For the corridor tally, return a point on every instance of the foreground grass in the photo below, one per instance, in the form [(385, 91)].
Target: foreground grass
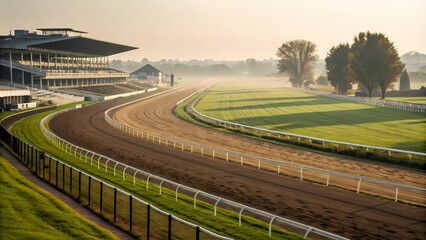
[(256, 104), (225, 222), (29, 212)]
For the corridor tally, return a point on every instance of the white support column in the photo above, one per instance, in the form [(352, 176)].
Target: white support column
[(23, 78), (10, 65), (39, 57), (32, 81), (31, 58)]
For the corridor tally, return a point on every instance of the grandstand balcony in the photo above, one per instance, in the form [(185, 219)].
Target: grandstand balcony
[(58, 60)]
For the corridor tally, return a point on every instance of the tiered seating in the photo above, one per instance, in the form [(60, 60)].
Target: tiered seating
[(56, 98), (108, 90)]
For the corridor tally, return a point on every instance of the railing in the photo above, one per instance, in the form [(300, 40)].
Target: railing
[(417, 198), (104, 163), (123, 209), (377, 102), (101, 74), (348, 181), (9, 93), (280, 135)]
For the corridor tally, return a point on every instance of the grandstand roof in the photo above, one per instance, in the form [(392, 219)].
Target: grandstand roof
[(45, 30), (148, 69), (75, 44)]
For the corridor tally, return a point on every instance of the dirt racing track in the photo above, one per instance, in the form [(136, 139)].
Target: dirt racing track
[(346, 213)]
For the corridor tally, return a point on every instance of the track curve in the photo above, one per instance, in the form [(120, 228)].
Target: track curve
[(342, 212)]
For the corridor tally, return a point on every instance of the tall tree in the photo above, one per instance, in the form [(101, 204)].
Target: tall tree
[(338, 68), (296, 60), (404, 81), (375, 61)]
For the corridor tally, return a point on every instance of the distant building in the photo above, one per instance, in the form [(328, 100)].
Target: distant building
[(55, 59), (11, 98), (149, 73)]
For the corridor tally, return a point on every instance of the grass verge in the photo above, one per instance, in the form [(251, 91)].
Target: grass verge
[(29, 212), (226, 222)]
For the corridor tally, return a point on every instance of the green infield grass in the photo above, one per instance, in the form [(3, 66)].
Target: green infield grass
[(270, 106), (29, 212), (226, 222), (416, 100)]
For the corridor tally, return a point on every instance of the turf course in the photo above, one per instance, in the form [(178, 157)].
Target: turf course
[(28, 212), (416, 100), (266, 104), (225, 222)]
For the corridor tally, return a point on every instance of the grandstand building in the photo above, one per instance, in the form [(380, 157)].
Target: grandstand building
[(57, 58)]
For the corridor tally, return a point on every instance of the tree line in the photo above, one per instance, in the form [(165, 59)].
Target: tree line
[(249, 67), (371, 60)]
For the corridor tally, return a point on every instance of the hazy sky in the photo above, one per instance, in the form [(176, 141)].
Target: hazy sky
[(222, 29)]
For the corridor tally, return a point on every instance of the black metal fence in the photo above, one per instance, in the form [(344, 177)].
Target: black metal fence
[(116, 206)]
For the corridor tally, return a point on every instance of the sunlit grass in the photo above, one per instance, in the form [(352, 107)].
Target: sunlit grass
[(29, 212), (416, 100), (280, 109), (225, 222)]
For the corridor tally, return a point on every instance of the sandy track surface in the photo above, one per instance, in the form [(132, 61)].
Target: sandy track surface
[(339, 211)]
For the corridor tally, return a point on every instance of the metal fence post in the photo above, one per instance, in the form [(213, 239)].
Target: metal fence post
[(56, 170), (37, 163), (79, 185), (115, 204), (169, 236), (70, 181), (21, 147), (50, 168), (27, 153), (101, 193), (90, 189), (130, 212), (42, 164), (63, 176), (148, 219), (31, 157), (197, 233)]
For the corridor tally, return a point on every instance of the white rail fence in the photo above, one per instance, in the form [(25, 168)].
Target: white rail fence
[(164, 213), (357, 183), (377, 102), (282, 135), (117, 168)]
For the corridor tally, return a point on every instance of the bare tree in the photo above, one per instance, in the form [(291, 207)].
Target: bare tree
[(297, 60)]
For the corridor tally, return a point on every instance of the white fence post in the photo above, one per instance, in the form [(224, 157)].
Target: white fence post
[(195, 199), (240, 214), (215, 206), (161, 185), (270, 225), (134, 178), (359, 185), (396, 194), (177, 192), (147, 182)]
